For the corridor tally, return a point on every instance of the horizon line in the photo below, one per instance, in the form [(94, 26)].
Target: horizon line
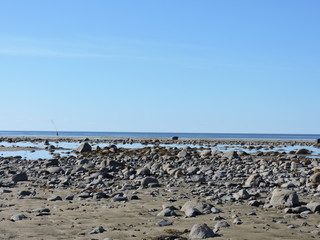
[(160, 132)]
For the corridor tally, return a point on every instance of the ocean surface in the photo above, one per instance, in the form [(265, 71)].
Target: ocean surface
[(163, 135)]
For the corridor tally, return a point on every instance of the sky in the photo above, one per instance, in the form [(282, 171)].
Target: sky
[(204, 66)]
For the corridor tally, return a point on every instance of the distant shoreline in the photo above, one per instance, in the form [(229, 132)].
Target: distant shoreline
[(161, 135), (161, 140)]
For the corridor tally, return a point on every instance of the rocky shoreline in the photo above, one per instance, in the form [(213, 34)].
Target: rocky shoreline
[(161, 192)]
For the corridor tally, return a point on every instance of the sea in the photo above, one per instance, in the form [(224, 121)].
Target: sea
[(162, 135)]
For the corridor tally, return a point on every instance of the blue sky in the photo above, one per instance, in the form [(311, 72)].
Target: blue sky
[(160, 66)]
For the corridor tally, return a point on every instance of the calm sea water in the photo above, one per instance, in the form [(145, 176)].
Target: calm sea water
[(163, 135)]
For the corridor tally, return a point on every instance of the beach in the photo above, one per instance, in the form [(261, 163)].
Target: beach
[(159, 188)]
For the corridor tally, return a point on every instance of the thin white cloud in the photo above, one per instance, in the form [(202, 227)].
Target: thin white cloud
[(34, 52)]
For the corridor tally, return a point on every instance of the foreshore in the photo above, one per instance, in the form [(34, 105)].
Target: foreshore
[(159, 191)]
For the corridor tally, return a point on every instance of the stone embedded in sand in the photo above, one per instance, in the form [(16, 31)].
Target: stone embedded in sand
[(201, 231), (222, 224), (163, 223), (84, 147), (315, 178), (167, 212), (282, 198), (97, 230), (237, 221), (18, 217), (55, 198)]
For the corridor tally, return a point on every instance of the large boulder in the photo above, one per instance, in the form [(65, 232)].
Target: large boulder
[(201, 231), (84, 147), (282, 198)]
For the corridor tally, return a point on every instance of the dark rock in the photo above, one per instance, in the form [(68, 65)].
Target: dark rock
[(84, 147), (163, 223), (20, 177)]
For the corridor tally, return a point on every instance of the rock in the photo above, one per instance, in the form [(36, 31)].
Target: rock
[(18, 217), (215, 210), (230, 155), (182, 154), (203, 207), (167, 212), (163, 223), (20, 177), (315, 178), (237, 221), (149, 180), (282, 198), (97, 230), (314, 206), (41, 212), (192, 212), (221, 225), (253, 180), (54, 170), (84, 147), (51, 162), (25, 193), (201, 231), (144, 171), (303, 151), (119, 199), (174, 138), (242, 194), (255, 203), (55, 198)]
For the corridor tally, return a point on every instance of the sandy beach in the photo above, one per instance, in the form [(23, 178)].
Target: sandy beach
[(124, 193)]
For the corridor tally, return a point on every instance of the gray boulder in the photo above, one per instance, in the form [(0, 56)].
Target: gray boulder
[(201, 231), (282, 198)]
